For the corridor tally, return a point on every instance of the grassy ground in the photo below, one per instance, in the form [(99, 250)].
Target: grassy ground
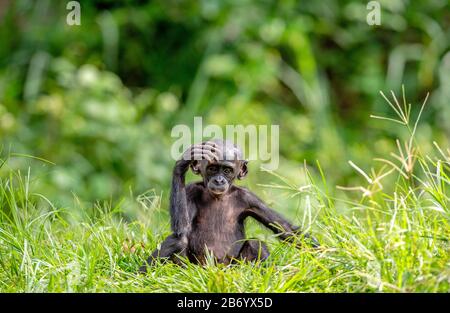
[(391, 237)]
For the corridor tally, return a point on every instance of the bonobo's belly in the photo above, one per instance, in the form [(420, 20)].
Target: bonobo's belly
[(216, 232)]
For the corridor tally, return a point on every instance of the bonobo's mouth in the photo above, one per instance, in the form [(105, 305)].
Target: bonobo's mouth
[(217, 190)]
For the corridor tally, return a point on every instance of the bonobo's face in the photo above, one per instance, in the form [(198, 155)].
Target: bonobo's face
[(220, 175)]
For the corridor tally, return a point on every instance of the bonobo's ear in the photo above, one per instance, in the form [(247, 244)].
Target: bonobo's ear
[(195, 167), (243, 171)]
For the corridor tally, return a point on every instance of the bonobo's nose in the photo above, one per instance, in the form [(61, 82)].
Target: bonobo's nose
[(219, 180)]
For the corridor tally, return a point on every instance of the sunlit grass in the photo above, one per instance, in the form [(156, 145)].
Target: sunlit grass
[(393, 235)]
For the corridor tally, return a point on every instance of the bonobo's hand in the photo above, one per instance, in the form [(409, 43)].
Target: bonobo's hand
[(313, 241), (310, 239), (207, 150)]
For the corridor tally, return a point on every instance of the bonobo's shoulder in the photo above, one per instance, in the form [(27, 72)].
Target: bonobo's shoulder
[(241, 191)]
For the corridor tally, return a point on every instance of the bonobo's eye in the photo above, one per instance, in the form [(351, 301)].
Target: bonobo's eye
[(228, 171), (212, 169)]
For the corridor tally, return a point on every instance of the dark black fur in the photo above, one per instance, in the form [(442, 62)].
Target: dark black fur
[(209, 216)]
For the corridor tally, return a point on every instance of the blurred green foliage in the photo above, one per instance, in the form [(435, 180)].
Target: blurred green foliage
[(99, 100)]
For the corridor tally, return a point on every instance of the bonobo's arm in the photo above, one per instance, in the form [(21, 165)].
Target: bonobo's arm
[(180, 210), (274, 221)]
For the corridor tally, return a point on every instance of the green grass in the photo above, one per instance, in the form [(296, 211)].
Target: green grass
[(390, 234)]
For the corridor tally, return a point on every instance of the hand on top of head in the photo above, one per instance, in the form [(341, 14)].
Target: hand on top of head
[(213, 151), (218, 159), (208, 150)]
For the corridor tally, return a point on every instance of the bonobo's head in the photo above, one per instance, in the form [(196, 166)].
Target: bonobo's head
[(218, 176)]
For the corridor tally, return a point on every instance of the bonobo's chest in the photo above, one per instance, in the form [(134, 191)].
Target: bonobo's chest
[(218, 213), (218, 226)]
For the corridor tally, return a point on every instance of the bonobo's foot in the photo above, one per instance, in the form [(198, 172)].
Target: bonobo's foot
[(143, 269), (171, 248), (150, 262), (254, 250), (308, 239), (313, 241)]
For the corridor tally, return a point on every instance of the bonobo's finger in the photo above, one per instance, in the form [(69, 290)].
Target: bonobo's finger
[(203, 148), (207, 150), (312, 240), (196, 151), (217, 153), (211, 145), (202, 156), (214, 148), (143, 269), (211, 148), (213, 153), (188, 153), (198, 154), (199, 157), (197, 146)]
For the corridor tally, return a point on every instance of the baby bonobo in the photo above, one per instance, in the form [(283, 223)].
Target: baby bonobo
[(207, 217)]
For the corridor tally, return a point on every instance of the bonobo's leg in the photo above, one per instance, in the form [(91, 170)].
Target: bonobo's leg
[(254, 250), (171, 248)]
